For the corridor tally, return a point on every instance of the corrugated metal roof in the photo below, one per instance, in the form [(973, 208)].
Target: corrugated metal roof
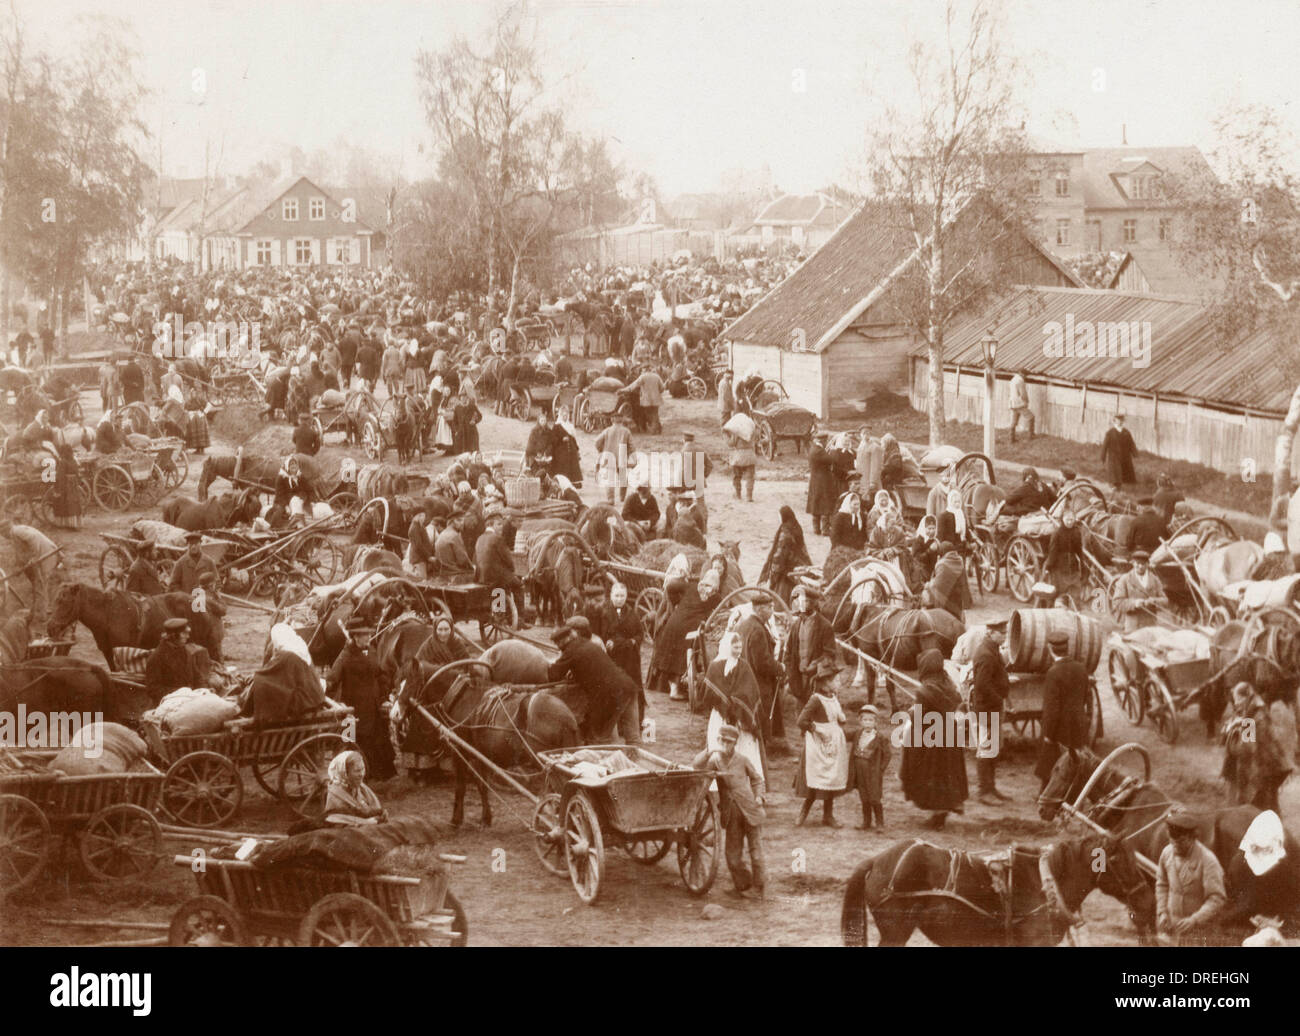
[(1188, 357)]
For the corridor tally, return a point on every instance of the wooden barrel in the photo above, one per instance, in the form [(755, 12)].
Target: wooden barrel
[(1029, 629)]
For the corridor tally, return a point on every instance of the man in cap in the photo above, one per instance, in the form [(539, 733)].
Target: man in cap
[(990, 687), (1189, 883), (612, 697), (449, 548), (37, 557), (495, 568), (175, 662), (686, 524), (1066, 701), (356, 679), (1138, 594), (208, 613), (823, 494), (811, 639), (1031, 495), (641, 508), (306, 439), (540, 448), (649, 389), (191, 565), (870, 760), (741, 794), (758, 650), (697, 465), (142, 577)]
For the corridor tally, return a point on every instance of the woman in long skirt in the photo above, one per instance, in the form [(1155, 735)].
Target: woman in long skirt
[(823, 771)]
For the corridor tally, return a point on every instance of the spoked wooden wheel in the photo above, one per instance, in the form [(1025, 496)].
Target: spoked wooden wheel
[(584, 847), (175, 473), (1209, 530), (114, 564), (114, 487), (304, 774), (764, 438), (548, 835), (206, 921), (1126, 683), (1023, 564), (24, 842), (1160, 707), (372, 438), (345, 502), (266, 773), (344, 919), (696, 388), (697, 848), (648, 603), (121, 843), (990, 565), (648, 851), (319, 557), (202, 789)]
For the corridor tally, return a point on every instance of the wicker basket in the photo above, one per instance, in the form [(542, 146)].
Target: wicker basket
[(523, 491)]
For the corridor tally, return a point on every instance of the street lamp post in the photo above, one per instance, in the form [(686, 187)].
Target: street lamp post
[(989, 346)]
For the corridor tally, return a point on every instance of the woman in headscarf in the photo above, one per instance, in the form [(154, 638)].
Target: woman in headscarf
[(67, 493), (934, 775), (925, 551), (881, 503), (823, 771), (417, 748), (788, 552), (565, 459), (348, 799), (1064, 565), (951, 521), (696, 603), (465, 416), (892, 468), (888, 531), (848, 529), (733, 694)]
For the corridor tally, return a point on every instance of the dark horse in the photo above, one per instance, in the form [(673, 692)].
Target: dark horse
[(119, 619), (506, 725), (261, 471), (64, 685), (1029, 897), (1132, 809), (218, 513)]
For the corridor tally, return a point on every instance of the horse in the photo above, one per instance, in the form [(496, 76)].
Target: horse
[(261, 471), (118, 619), (555, 576), (1029, 897), (506, 725), (404, 431), (57, 684), (218, 513), (1133, 809)]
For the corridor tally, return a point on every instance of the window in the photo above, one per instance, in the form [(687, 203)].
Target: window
[(289, 208), (317, 208), (1165, 227), (1062, 185), (302, 252), (1062, 231), (1094, 234), (1035, 187), (1130, 231), (343, 250), (264, 253)]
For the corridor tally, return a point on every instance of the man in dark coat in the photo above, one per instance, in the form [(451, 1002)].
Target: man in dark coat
[(811, 639), (947, 587), (494, 566), (822, 493), (1066, 697), (541, 444), (132, 382), (1029, 496), (355, 679), (1118, 452), (990, 686), (758, 650), (611, 694), (191, 565), (142, 577), (175, 662), (642, 509), (306, 439), (348, 347), (617, 625)]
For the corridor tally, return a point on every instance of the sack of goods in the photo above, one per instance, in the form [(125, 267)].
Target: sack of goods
[(331, 398), (100, 748), (741, 425), (941, 457), (193, 710)]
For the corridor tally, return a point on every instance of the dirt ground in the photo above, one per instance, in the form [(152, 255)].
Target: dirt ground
[(511, 900)]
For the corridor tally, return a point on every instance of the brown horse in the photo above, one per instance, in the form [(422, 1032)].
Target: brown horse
[(1028, 898), (261, 471), (218, 513), (64, 685), (506, 725), (118, 619)]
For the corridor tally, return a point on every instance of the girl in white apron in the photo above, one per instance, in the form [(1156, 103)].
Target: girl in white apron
[(823, 771)]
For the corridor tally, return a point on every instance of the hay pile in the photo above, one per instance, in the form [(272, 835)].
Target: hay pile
[(656, 554)]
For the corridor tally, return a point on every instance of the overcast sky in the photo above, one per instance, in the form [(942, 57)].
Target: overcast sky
[(687, 90)]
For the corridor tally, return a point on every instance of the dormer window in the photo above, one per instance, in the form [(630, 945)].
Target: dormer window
[(289, 209), (1062, 185), (1142, 186), (317, 208)]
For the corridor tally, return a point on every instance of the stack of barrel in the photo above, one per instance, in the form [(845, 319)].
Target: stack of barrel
[(1029, 629)]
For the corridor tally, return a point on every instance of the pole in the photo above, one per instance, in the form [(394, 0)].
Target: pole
[(988, 410)]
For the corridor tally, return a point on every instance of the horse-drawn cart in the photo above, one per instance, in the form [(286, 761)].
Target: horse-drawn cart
[(109, 815), (778, 419), (594, 409)]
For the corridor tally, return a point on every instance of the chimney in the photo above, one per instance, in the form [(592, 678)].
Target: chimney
[(286, 167), (1123, 133)]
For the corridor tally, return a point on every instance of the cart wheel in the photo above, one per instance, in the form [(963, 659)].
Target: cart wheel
[(1160, 707), (206, 921), (1126, 683), (1023, 562), (648, 851), (121, 843), (114, 487), (1096, 723), (24, 842), (764, 439), (517, 410), (345, 919), (345, 502), (697, 848), (372, 439), (179, 470), (265, 773), (696, 388), (318, 555), (492, 630), (114, 564), (459, 922), (584, 847), (990, 565), (648, 603), (202, 789), (304, 774), (44, 507), (548, 835)]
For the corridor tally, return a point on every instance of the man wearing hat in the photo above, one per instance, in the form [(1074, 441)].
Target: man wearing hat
[(758, 649), (1031, 495), (811, 640), (612, 697), (990, 687), (356, 680), (641, 508), (686, 524), (697, 465), (175, 662), (1138, 593), (1189, 883), (142, 577), (191, 565), (741, 794), (494, 567), (1066, 700), (823, 495)]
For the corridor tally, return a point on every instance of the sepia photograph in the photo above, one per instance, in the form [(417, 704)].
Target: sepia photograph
[(567, 473)]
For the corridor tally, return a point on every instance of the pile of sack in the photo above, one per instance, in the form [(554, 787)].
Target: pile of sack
[(192, 710), (100, 748)]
